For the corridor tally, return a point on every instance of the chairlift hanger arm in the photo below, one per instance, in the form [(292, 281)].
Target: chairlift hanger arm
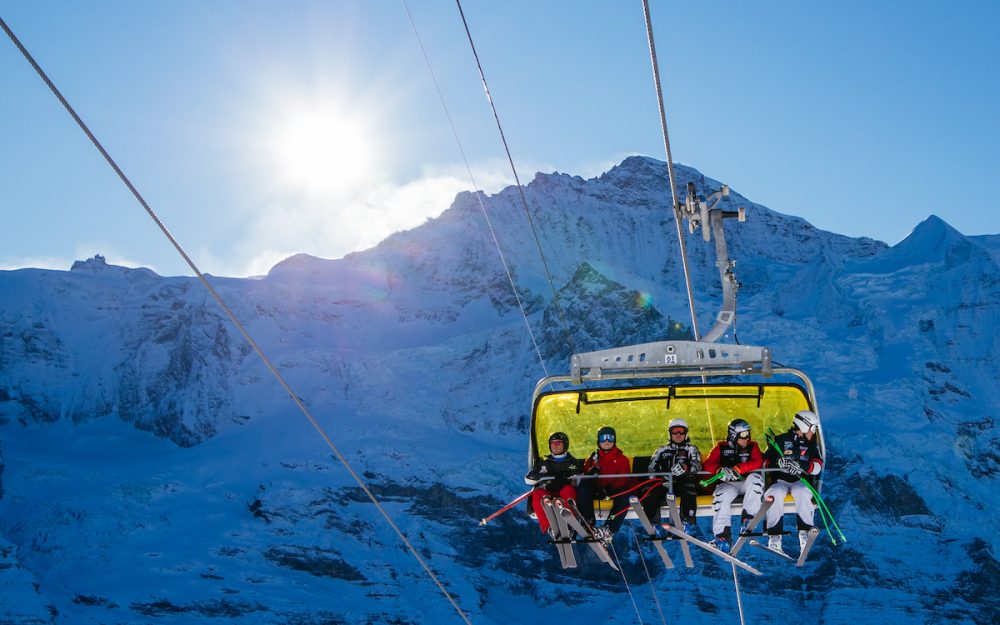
[(708, 214)]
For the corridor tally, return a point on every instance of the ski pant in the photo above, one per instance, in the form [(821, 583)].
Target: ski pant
[(566, 493), (752, 490), (804, 506), (586, 492), (685, 487)]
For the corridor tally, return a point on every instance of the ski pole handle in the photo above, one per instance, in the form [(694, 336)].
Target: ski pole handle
[(711, 480), (519, 499)]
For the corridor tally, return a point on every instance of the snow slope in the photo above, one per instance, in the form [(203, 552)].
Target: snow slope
[(152, 471)]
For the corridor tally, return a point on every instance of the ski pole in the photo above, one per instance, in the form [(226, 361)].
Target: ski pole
[(826, 524), (634, 488), (506, 508), (825, 510)]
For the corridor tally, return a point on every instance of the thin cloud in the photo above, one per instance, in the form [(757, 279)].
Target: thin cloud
[(334, 228)]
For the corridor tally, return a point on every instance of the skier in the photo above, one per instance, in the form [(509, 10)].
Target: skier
[(682, 461), (607, 459), (735, 458), (799, 460), (551, 477)]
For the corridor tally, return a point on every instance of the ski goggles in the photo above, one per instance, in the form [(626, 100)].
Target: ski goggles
[(674, 431), (606, 438), (744, 434)]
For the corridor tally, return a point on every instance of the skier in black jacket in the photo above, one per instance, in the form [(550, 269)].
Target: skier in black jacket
[(682, 460), (559, 467), (799, 459)]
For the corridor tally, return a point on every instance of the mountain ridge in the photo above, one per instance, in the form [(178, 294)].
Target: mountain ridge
[(416, 358)]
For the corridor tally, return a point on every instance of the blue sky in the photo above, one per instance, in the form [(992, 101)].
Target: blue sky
[(862, 117)]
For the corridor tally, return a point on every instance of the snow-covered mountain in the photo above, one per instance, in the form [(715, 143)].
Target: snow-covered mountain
[(153, 471)]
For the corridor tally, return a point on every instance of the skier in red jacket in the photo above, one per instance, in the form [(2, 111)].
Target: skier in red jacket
[(735, 458), (607, 459)]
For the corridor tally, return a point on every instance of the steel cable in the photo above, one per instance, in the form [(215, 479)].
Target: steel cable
[(621, 570), (517, 180), (670, 168), (479, 197), (649, 578), (246, 335)]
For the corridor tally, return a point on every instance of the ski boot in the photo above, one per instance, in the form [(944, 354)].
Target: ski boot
[(774, 543), (689, 526), (721, 543), (603, 534), (744, 523), (803, 539)]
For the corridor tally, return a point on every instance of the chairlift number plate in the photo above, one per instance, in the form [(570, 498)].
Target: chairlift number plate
[(670, 359)]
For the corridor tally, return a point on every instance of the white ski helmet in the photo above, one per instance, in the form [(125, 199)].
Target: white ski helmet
[(677, 423), (805, 421)]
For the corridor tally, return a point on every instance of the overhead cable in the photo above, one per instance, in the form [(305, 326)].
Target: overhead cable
[(239, 325)]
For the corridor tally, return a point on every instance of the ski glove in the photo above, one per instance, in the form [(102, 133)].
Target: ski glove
[(678, 470), (595, 464), (790, 466), (729, 474)]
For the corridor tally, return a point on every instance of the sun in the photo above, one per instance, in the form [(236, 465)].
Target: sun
[(322, 149)]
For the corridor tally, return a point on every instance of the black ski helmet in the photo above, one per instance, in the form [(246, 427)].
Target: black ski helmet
[(559, 436), (606, 431), (736, 426)]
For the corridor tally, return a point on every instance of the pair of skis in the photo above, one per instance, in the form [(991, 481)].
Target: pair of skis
[(567, 524), (745, 537), (685, 538), (803, 553), (753, 542)]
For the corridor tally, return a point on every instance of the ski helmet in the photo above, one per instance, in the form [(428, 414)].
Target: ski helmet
[(606, 433), (678, 423), (805, 421), (737, 427), (559, 436)]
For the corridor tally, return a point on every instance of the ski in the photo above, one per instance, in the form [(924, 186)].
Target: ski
[(707, 547), (566, 535), (593, 534), (780, 554), (757, 518), (813, 533), (633, 502), (596, 545), (565, 550), (675, 516)]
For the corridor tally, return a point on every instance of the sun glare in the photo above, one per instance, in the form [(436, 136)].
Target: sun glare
[(323, 150)]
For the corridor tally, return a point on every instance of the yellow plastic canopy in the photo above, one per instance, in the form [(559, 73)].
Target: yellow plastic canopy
[(640, 415)]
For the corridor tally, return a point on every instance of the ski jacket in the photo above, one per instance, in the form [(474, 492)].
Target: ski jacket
[(743, 459), (798, 448), (666, 457), (560, 469), (609, 462)]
